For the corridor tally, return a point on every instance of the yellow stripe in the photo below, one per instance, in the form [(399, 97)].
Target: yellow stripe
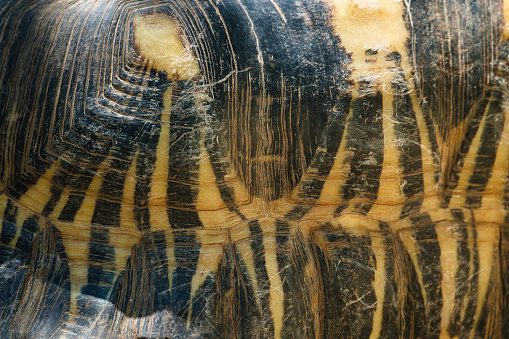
[(62, 201), (413, 250), (390, 199), (506, 19), (494, 191), (37, 196), (3, 206), (127, 235), (211, 252), (471, 263), (212, 210), (22, 214), (459, 193), (277, 296), (76, 238), (157, 205), (363, 25), (379, 248), (490, 217), (449, 265), (488, 238), (240, 237)]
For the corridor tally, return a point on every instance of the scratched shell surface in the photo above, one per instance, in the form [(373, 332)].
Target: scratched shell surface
[(254, 169)]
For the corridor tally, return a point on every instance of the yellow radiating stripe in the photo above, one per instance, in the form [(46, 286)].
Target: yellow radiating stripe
[(157, 205), (209, 196), (240, 237), (277, 296), (127, 235), (62, 201), (459, 193), (489, 218), (158, 40), (211, 252), (506, 19), (413, 250), (76, 240), (471, 263), (242, 196), (127, 220), (21, 215), (212, 210), (37, 196), (87, 208), (493, 194), (378, 246), (488, 238), (379, 26), (338, 175), (449, 265), (3, 206), (390, 199)]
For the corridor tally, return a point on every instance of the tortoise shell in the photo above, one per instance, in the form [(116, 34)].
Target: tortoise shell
[(264, 169)]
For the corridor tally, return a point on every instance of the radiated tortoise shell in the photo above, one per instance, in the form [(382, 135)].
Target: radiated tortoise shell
[(254, 169)]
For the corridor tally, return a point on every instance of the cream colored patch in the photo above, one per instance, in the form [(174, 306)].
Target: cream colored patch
[(159, 40), (370, 24)]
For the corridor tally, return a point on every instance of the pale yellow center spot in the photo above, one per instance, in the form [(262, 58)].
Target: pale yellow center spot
[(370, 24), (158, 39)]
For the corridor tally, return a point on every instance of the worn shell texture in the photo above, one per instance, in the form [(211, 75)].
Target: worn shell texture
[(254, 169)]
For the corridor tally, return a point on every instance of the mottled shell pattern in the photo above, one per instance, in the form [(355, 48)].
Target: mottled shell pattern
[(254, 169)]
